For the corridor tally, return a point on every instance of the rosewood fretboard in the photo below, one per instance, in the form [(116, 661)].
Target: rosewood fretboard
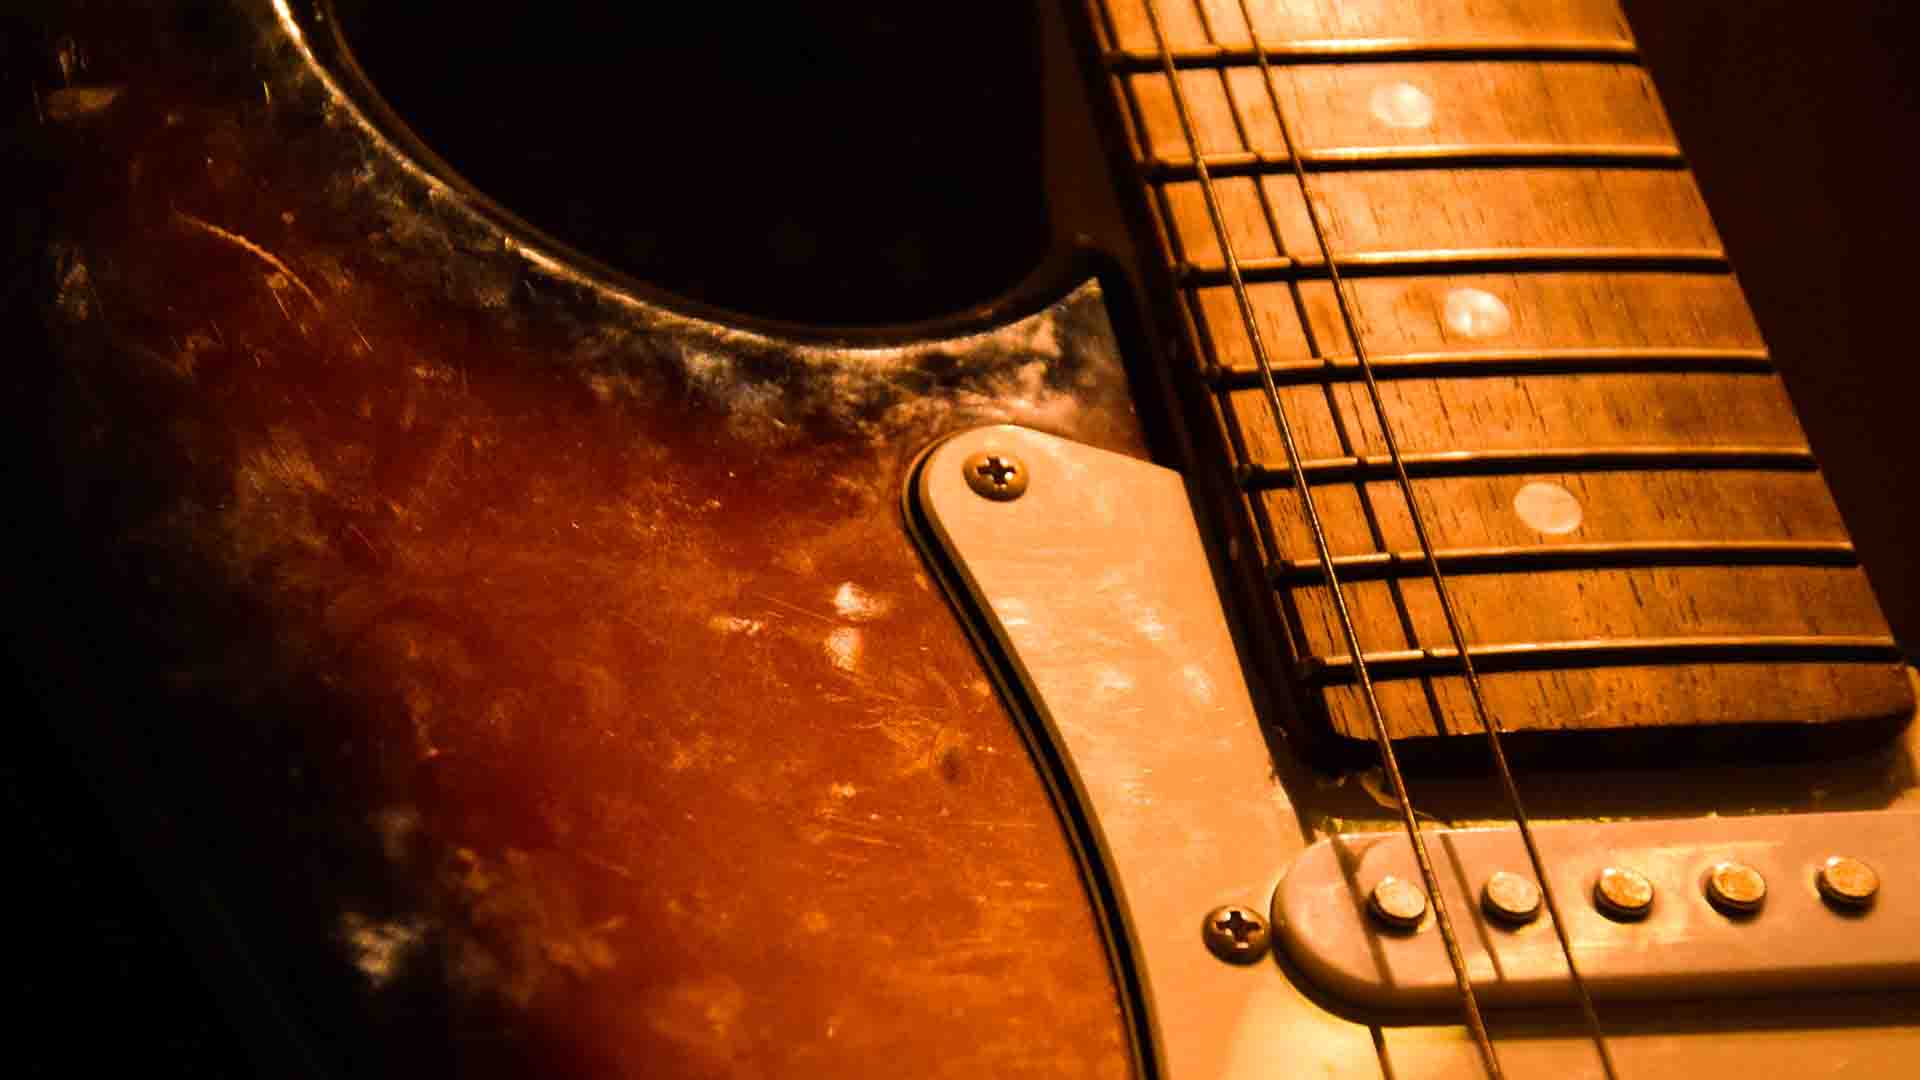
[(1631, 525)]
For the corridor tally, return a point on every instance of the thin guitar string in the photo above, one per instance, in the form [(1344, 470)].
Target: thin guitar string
[(1488, 721), (1403, 612), (1390, 764)]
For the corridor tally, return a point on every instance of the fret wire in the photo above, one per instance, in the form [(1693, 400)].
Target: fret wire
[(1493, 362), (1611, 652), (1256, 507), (1450, 463), (1194, 322), (1376, 532), (1487, 722), (1378, 50), (1483, 1042), (1589, 556), (1369, 264), (1519, 155), (1403, 612), (1380, 158)]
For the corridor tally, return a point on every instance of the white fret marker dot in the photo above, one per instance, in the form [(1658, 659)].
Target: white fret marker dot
[(1477, 313), (1401, 105), (1548, 508)]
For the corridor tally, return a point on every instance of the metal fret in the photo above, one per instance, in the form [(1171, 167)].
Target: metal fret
[(1355, 158), (1377, 50), (1466, 261), (1483, 1041), (1553, 460), (1590, 556), (1491, 362), (1615, 652)]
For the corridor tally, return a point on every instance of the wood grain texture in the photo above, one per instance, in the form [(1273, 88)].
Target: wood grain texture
[(1476, 103), (1222, 22), (1633, 336)]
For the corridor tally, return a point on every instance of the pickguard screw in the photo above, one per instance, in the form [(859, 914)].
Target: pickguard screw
[(1623, 894), (998, 476), (1847, 883), (1236, 934)]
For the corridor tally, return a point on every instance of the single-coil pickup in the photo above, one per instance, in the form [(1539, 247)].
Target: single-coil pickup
[(1654, 909)]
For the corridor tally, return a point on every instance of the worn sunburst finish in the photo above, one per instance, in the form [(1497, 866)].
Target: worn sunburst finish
[(537, 677), (510, 674)]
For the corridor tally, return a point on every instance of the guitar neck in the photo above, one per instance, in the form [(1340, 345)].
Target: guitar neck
[(1470, 225)]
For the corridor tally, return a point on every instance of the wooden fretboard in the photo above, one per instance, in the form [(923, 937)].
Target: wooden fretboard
[(1631, 525)]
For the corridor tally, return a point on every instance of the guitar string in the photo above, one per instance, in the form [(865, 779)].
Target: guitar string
[(1383, 740), (1488, 722), (1336, 415)]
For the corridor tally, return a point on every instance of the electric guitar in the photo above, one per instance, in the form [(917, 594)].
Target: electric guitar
[(1365, 606)]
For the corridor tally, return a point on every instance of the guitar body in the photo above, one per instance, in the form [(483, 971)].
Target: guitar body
[(539, 679), (501, 669)]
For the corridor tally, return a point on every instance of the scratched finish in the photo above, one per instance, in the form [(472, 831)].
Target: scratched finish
[(541, 680)]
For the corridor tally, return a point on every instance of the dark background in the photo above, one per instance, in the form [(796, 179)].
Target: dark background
[(1800, 120)]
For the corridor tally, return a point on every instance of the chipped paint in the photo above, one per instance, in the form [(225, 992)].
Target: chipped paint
[(769, 388), (701, 1015), (76, 102), (1110, 682), (1199, 683), (380, 949), (564, 610), (398, 827), (857, 604), (843, 647), (735, 624)]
